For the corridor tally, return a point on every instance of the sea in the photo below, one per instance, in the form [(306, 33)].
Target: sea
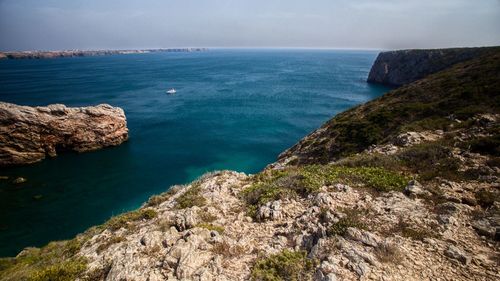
[(235, 109)]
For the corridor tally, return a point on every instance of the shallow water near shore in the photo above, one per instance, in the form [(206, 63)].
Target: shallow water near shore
[(234, 109)]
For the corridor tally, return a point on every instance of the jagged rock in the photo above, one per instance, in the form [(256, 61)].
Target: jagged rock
[(270, 211), (320, 276), (484, 228), (28, 134), (414, 189), (322, 199), (458, 254), (362, 236), (186, 219)]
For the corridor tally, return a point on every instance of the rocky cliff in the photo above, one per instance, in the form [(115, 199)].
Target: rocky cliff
[(396, 68), (28, 134), (405, 187)]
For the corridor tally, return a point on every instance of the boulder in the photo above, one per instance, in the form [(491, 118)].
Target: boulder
[(270, 211), (458, 254), (415, 189)]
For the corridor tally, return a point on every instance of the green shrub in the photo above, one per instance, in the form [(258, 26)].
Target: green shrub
[(125, 219), (287, 265), (430, 160), (304, 180), (352, 218), (191, 198)]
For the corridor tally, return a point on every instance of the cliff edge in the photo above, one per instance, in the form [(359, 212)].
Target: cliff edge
[(397, 68), (28, 134)]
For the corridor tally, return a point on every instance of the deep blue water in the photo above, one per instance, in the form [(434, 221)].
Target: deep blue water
[(235, 109)]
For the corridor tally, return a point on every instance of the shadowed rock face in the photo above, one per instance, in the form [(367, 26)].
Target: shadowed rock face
[(28, 134), (397, 68)]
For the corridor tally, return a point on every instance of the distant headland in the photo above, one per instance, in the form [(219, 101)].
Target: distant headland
[(85, 53)]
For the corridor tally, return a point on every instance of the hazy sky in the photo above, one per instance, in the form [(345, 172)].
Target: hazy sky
[(118, 24)]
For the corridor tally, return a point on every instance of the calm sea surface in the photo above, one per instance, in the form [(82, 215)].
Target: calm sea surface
[(234, 109)]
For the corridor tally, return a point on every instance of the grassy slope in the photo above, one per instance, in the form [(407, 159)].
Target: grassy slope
[(463, 90)]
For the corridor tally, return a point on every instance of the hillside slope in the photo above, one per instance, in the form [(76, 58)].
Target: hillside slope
[(405, 187)]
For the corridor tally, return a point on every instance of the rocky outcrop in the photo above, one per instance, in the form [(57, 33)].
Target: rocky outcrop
[(396, 68), (28, 134), (81, 53)]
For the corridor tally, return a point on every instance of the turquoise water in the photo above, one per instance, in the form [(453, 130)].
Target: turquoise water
[(235, 109)]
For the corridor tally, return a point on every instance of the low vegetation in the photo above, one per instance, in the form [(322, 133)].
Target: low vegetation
[(156, 200), (211, 227), (304, 180), (352, 218), (57, 261), (287, 265), (191, 197), (125, 220)]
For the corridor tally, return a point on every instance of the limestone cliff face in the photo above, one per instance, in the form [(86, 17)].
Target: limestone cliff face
[(402, 67), (28, 134)]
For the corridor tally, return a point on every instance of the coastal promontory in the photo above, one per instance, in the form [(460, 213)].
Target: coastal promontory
[(29, 134), (397, 68)]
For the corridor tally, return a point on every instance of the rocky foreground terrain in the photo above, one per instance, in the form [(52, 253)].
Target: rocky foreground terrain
[(405, 187), (29, 134)]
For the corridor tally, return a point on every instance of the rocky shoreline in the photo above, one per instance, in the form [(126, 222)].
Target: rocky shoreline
[(82, 53), (29, 134), (405, 187)]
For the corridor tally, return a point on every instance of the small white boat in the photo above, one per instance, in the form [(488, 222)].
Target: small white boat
[(171, 91)]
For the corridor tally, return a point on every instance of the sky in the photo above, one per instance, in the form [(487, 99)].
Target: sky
[(343, 24)]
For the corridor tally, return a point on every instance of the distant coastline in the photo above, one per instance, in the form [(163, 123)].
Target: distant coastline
[(82, 53)]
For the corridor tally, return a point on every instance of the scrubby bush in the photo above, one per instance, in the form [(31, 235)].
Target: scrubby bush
[(211, 226), (125, 219), (287, 265), (352, 218), (191, 197)]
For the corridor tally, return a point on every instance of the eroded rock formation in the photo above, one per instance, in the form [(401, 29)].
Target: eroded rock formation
[(28, 134)]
